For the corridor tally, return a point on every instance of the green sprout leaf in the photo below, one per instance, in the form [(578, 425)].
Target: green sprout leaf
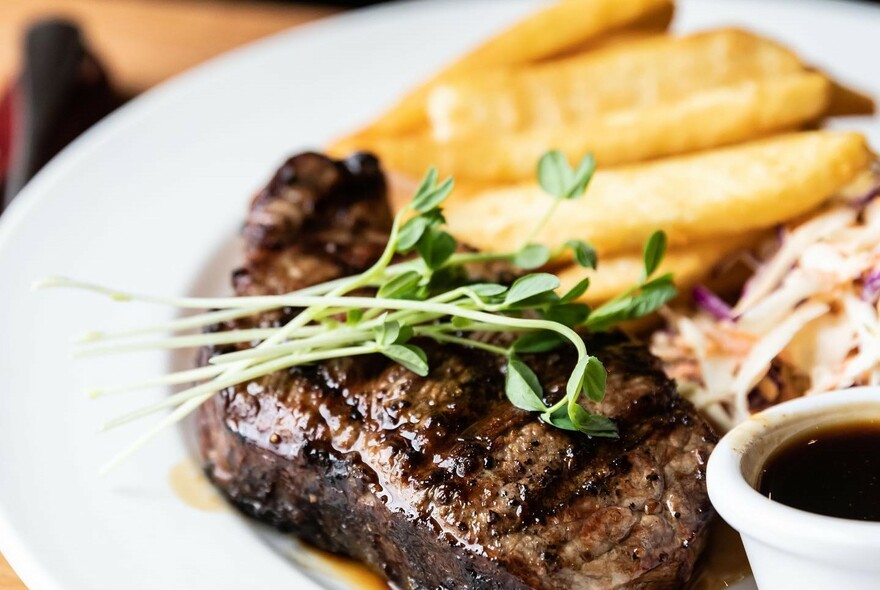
[(577, 291), (487, 293), (576, 379), (558, 179), (581, 177), (654, 295), (405, 334), (559, 419), (531, 256), (576, 419), (555, 174), (387, 333), (597, 426), (435, 247), (401, 287), (487, 289), (530, 286), (537, 342), (537, 303), (655, 250), (410, 356), (430, 198), (445, 278), (595, 377), (610, 313), (460, 322), (427, 184), (584, 254), (434, 217), (522, 387), (651, 296), (353, 316), (568, 314), (411, 233)]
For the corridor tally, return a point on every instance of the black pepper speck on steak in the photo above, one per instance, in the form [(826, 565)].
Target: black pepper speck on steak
[(438, 482)]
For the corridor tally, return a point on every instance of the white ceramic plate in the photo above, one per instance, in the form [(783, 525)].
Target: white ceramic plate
[(151, 200)]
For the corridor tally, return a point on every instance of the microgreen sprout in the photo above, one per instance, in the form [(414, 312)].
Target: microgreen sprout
[(426, 297)]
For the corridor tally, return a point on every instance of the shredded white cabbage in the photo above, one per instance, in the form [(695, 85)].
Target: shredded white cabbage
[(804, 324)]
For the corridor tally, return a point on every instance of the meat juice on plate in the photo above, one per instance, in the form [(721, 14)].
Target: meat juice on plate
[(722, 564)]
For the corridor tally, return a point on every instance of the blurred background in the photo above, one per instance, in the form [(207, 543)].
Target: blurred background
[(64, 64)]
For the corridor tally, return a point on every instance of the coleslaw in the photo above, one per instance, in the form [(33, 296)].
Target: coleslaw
[(806, 322)]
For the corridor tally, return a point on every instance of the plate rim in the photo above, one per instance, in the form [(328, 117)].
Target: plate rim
[(25, 560)]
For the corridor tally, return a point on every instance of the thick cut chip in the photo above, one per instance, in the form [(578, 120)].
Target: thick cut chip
[(689, 265), (555, 30), (711, 118), (641, 73), (693, 198)]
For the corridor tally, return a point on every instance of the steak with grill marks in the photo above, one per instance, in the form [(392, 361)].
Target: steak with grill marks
[(438, 482)]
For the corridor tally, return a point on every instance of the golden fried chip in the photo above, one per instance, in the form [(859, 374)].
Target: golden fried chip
[(693, 198), (714, 117), (555, 30), (620, 76)]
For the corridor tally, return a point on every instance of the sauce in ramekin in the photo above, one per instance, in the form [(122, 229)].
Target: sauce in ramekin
[(833, 470)]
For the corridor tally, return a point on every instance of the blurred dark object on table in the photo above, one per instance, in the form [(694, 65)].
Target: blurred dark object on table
[(52, 87), (61, 92)]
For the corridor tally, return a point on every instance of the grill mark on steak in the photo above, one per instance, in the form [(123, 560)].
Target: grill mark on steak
[(438, 482)]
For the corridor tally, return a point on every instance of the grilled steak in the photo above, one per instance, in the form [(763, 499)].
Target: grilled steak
[(438, 482)]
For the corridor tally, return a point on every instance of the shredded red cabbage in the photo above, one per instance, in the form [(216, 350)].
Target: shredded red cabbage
[(869, 196), (871, 286), (712, 303), (780, 234)]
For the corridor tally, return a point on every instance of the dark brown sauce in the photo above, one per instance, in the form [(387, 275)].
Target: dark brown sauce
[(829, 470)]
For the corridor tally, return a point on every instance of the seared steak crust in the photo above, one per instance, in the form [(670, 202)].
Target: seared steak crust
[(438, 482)]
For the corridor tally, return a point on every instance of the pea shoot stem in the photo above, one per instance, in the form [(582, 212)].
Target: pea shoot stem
[(551, 210), (176, 378), (228, 379), (440, 336)]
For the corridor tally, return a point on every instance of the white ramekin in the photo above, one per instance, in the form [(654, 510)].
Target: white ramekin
[(790, 548)]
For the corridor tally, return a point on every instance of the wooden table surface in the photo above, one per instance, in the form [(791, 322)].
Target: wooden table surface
[(141, 43)]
